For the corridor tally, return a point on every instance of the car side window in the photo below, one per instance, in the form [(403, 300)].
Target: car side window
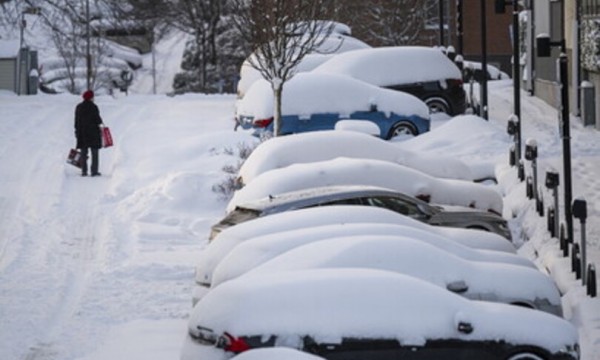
[(394, 204), (342, 202)]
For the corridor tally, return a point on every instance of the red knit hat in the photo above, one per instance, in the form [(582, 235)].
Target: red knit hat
[(89, 94)]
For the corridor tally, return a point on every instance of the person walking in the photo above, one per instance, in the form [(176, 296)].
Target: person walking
[(88, 132)]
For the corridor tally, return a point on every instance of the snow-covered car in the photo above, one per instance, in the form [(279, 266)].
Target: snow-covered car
[(363, 195), (426, 73), (315, 102), (309, 147), (258, 240), (475, 280), (229, 257), (370, 172), (366, 313), (472, 70)]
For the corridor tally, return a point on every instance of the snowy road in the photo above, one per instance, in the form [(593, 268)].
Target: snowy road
[(73, 264)]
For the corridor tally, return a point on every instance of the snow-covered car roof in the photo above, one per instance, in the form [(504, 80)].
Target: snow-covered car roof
[(329, 304), (323, 145), (386, 66), (245, 255), (490, 281), (310, 93), (474, 146), (494, 72), (249, 75), (352, 171)]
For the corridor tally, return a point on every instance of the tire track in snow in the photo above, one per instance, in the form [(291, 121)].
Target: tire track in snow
[(83, 220), (49, 219)]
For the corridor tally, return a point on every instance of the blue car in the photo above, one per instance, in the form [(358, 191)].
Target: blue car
[(313, 102)]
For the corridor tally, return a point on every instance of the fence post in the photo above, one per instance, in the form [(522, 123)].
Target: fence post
[(591, 280), (580, 212)]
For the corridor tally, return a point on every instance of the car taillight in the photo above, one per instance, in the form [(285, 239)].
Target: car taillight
[(454, 82), (263, 123), (233, 344)]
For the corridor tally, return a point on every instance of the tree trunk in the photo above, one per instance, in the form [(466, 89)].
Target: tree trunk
[(277, 91)]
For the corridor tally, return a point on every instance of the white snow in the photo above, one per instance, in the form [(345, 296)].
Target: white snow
[(96, 268), (9, 48), (387, 66), (276, 353)]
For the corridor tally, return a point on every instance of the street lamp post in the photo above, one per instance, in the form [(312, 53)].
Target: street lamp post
[(459, 27), (543, 46), (32, 10), (441, 18), (500, 9), (483, 112), (88, 56)]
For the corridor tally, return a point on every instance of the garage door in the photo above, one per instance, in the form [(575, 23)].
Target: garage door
[(7, 74)]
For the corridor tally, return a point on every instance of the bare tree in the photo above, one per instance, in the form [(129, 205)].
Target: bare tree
[(397, 22), (281, 33), (200, 18), (147, 18), (66, 21)]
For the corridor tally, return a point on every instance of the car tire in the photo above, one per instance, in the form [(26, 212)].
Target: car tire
[(437, 104), (525, 356), (402, 128)]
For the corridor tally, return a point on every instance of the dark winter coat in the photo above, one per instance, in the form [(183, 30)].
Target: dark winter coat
[(87, 125)]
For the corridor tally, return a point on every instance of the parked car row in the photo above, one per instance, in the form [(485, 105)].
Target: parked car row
[(396, 88), (338, 269)]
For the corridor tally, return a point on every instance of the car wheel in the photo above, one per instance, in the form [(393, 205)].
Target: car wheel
[(402, 129), (525, 356), (437, 105)]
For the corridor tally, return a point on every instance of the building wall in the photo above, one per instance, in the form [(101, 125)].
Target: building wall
[(499, 45), (7, 74)]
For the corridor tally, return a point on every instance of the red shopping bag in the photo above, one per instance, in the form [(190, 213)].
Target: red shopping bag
[(107, 139), (74, 158)]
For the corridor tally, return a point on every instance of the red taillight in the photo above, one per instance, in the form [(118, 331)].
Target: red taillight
[(263, 123), (235, 345)]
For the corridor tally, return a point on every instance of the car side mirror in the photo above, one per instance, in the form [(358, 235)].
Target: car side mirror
[(373, 108), (458, 287)]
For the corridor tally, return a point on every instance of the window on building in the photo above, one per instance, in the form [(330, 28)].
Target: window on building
[(591, 7)]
